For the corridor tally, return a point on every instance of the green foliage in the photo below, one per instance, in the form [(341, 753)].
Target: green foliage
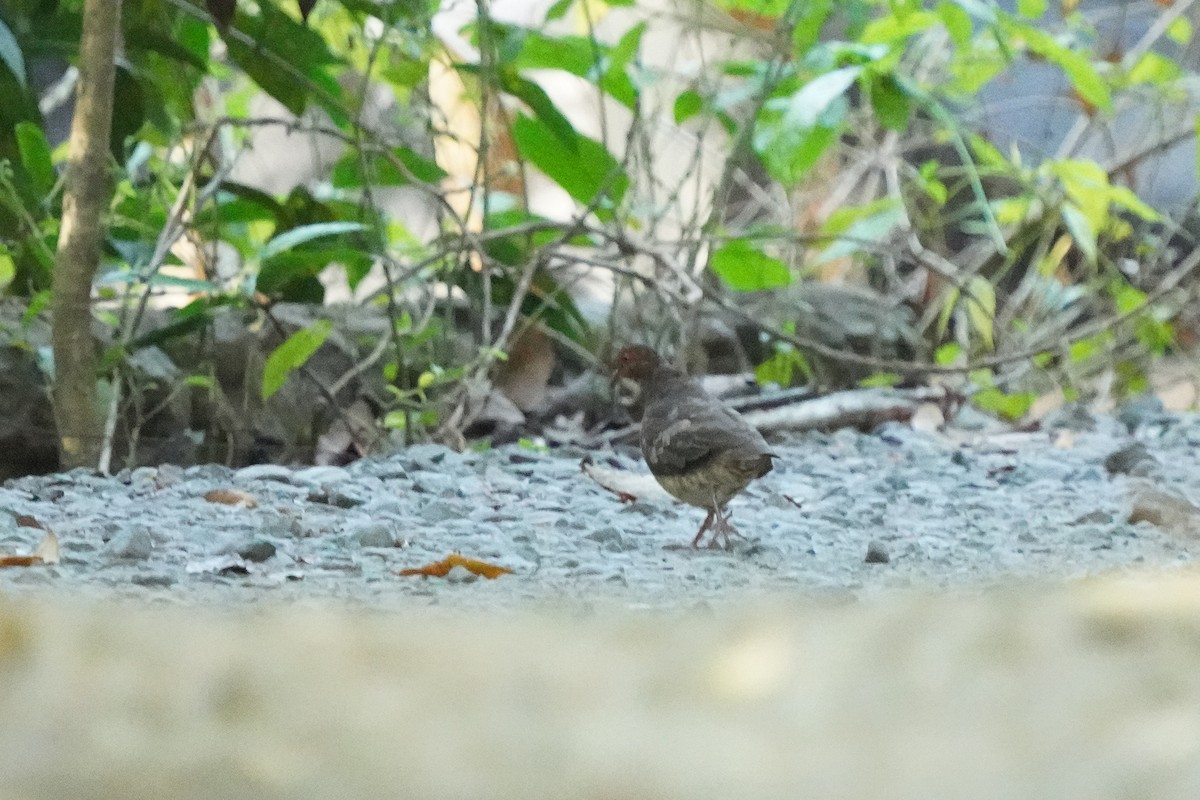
[(293, 353), (746, 269)]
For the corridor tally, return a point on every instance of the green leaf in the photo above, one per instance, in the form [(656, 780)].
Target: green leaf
[(857, 227), (8, 269), (1081, 230), (286, 59), (1091, 347), (581, 166), (1086, 185), (947, 354), (616, 81), (745, 269), (1154, 69), (781, 367), (687, 105), (1180, 31), (789, 153), (1126, 298), (812, 102), (981, 308), (793, 131), (1124, 197), (1090, 85), (1032, 9), (894, 27), (574, 54), (559, 10), (540, 103), (355, 169), (957, 23), (35, 156), (880, 380), (891, 103), (1010, 406), (306, 233), (812, 17), (10, 54), (294, 353)]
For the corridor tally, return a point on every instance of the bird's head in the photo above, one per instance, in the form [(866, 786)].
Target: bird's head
[(635, 362)]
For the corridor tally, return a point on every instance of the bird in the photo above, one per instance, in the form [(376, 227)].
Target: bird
[(698, 449)]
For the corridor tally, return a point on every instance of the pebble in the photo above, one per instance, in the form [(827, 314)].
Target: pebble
[(257, 550), (1128, 459), (321, 476), (132, 544), (264, 472), (460, 574), (610, 539), (877, 553), (373, 534), (442, 511)]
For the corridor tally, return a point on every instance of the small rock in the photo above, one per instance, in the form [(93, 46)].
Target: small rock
[(132, 544), (1128, 459), (442, 511), (428, 453), (1139, 411), (611, 539), (257, 550), (167, 475), (877, 553), (321, 476), (152, 580), (374, 534), (1164, 509), (142, 475), (460, 574), (433, 482), (1096, 517), (264, 472)]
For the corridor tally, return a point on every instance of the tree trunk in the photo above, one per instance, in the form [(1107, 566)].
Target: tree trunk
[(88, 193)]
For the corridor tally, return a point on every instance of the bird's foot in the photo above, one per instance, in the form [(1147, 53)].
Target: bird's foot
[(722, 535)]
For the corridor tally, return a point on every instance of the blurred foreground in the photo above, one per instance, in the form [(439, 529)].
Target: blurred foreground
[(1086, 691)]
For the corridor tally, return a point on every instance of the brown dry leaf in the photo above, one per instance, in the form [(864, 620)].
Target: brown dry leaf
[(28, 521), (231, 497), (440, 569), (45, 553)]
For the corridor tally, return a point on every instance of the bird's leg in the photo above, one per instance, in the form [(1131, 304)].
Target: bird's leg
[(703, 527), (721, 527)]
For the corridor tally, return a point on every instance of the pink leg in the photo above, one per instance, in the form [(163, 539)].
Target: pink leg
[(703, 527)]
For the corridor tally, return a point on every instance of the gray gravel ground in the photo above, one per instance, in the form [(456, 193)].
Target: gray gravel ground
[(966, 508)]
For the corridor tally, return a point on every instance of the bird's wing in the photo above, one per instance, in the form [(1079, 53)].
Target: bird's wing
[(685, 435)]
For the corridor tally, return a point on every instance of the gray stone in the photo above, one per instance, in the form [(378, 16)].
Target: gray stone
[(264, 472), (131, 544), (1128, 459), (257, 550), (209, 472), (443, 511), (160, 580), (610, 539), (321, 476), (460, 574), (877, 553), (374, 534)]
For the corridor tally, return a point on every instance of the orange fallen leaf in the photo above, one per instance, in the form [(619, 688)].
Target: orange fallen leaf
[(440, 569), (231, 497), (45, 553)]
